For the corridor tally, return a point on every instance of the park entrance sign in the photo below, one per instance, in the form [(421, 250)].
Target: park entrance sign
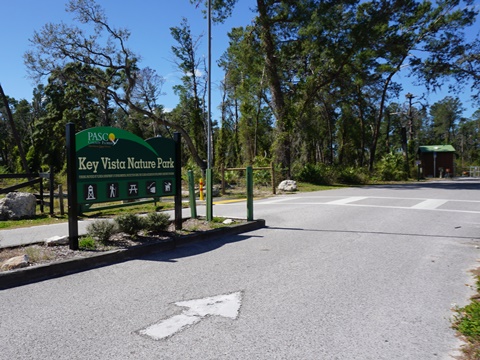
[(113, 164), (108, 164)]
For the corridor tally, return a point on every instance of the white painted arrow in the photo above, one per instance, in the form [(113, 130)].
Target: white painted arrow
[(222, 305)]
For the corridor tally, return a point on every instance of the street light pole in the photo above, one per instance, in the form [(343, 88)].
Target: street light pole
[(209, 88), (410, 117), (209, 204), (410, 97)]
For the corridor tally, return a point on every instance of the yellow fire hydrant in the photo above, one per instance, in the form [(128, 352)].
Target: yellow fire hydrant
[(201, 189)]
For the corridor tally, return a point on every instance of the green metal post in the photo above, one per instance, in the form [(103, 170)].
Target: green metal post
[(249, 193), (191, 192), (178, 181), (209, 195)]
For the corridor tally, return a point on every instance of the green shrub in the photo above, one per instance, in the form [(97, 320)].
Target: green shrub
[(87, 243), (262, 177), (392, 168), (197, 172), (317, 174), (101, 230), (156, 222), (232, 177), (130, 224), (353, 176)]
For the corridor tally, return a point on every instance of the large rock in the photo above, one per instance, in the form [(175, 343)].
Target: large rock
[(17, 205), (288, 185), (16, 262), (57, 240)]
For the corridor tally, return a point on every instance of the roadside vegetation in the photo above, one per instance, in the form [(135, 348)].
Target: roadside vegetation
[(467, 324)]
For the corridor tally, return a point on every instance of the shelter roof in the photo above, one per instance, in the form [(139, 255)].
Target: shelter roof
[(436, 148)]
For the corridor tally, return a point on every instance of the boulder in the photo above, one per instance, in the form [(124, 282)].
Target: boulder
[(288, 185), (17, 205), (216, 190), (16, 262), (57, 240)]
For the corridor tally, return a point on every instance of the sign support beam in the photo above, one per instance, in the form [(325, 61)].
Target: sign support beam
[(72, 187), (178, 181)]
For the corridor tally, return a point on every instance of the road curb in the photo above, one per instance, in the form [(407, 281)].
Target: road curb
[(14, 278)]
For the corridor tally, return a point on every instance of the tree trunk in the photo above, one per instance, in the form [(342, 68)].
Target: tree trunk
[(273, 77), (16, 136)]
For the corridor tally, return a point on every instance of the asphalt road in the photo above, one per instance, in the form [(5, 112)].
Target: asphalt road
[(355, 273)]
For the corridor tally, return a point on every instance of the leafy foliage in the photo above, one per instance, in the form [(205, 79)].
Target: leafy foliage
[(157, 222), (353, 176), (391, 168), (262, 177), (101, 230), (87, 243), (317, 174), (130, 224)]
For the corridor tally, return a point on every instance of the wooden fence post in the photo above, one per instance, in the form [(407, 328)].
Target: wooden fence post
[(223, 179), (60, 199), (52, 192), (41, 195), (273, 178)]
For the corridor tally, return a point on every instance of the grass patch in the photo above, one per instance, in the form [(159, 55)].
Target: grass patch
[(467, 324), (40, 219), (87, 243), (38, 254), (137, 209), (308, 187)]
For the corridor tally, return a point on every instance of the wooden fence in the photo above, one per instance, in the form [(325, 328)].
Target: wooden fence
[(272, 175), (33, 179)]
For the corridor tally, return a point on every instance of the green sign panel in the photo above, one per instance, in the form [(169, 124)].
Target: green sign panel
[(113, 164)]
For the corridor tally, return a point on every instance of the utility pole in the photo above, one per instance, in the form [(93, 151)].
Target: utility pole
[(410, 97), (410, 116), (209, 203)]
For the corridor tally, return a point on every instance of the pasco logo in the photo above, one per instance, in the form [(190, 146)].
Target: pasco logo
[(102, 138)]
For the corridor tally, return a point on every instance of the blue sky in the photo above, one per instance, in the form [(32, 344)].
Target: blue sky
[(149, 22)]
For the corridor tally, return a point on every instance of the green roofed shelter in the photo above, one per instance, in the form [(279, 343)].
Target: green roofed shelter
[(437, 160)]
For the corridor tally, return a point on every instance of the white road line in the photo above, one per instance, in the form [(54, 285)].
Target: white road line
[(346, 200), (392, 198), (288, 198), (379, 206), (429, 204)]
